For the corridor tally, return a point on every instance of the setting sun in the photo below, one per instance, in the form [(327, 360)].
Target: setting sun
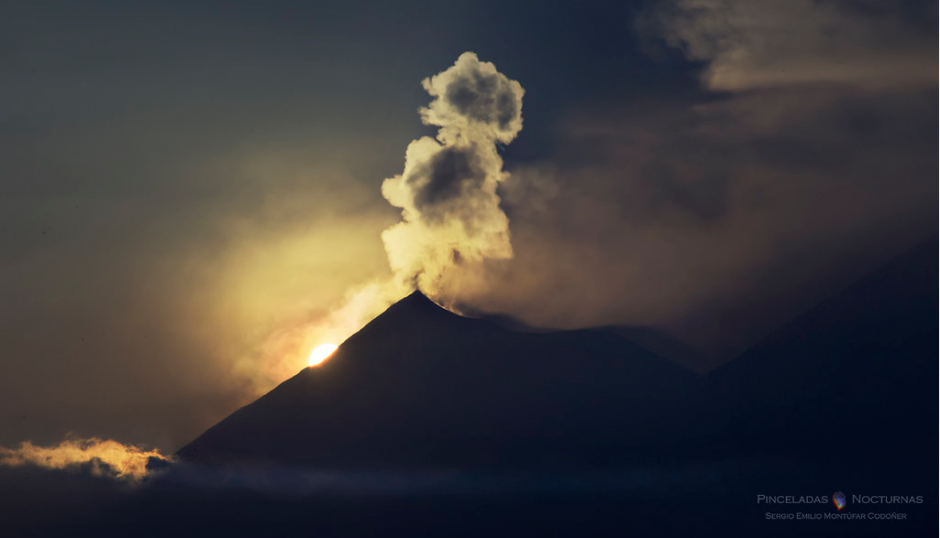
[(321, 353)]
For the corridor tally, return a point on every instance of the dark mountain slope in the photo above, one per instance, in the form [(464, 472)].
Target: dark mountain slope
[(859, 372), (841, 399), (422, 387)]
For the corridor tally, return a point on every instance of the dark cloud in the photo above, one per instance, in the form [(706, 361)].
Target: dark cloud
[(717, 217)]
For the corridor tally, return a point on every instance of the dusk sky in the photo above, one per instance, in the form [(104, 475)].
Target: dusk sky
[(192, 192)]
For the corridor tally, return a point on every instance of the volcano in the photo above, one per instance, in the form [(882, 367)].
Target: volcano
[(426, 423), (420, 386)]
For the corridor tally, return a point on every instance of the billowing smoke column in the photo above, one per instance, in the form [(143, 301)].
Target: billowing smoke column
[(447, 192), (450, 210)]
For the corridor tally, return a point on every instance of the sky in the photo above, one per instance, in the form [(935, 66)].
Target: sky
[(195, 193)]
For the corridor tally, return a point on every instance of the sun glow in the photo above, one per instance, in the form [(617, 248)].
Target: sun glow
[(321, 353)]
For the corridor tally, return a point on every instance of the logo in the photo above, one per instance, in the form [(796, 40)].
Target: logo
[(838, 499)]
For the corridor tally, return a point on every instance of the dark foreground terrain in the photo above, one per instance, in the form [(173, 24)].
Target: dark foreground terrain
[(716, 500)]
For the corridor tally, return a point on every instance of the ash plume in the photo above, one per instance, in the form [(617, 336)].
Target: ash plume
[(450, 211), (447, 192)]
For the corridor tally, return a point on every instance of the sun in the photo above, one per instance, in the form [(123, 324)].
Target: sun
[(321, 353)]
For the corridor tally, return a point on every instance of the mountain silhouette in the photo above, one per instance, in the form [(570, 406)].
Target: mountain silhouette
[(579, 433), (421, 386)]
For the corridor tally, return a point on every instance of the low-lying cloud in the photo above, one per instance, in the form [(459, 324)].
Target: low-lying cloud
[(98, 457)]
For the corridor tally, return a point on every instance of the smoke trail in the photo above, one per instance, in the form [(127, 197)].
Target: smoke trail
[(98, 457)]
